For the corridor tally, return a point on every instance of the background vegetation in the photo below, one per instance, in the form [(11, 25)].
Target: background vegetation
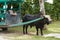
[(32, 8)]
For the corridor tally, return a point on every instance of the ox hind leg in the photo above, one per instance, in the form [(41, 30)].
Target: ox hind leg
[(25, 27)]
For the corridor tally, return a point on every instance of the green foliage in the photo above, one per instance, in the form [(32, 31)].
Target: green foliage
[(57, 8), (30, 8)]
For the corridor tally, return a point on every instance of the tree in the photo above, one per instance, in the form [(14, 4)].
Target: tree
[(57, 9), (27, 7)]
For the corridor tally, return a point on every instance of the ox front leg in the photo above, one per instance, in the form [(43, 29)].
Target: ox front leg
[(37, 31), (41, 30)]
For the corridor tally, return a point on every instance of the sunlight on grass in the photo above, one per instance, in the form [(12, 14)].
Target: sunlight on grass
[(30, 37), (55, 29), (52, 28)]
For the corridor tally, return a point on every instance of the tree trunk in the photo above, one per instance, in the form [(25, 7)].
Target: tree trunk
[(42, 9)]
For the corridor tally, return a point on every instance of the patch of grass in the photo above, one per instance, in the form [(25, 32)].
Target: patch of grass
[(28, 37), (52, 28)]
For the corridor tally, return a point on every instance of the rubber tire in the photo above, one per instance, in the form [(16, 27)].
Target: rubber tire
[(4, 29)]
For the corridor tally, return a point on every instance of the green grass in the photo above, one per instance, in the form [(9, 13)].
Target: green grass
[(52, 28)]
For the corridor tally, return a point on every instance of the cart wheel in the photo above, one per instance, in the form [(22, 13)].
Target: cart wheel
[(4, 29)]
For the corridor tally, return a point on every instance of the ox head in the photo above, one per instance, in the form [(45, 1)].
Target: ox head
[(47, 19)]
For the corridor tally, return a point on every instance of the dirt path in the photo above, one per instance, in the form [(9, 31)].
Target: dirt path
[(13, 36), (56, 35), (9, 35)]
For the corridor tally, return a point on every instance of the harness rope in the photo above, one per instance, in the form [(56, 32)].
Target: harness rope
[(24, 23)]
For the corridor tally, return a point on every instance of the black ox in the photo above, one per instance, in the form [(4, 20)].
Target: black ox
[(38, 24)]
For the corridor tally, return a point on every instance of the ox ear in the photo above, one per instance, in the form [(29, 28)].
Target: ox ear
[(49, 17)]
